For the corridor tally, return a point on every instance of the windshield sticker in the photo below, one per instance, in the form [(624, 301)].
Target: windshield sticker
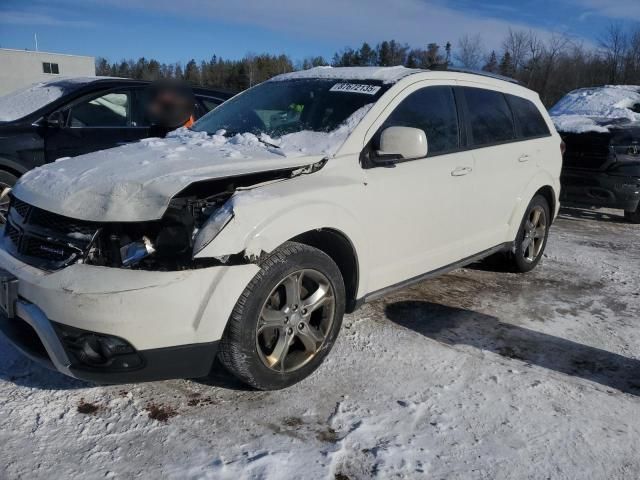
[(355, 88)]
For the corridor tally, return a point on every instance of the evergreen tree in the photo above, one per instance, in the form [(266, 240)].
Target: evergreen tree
[(506, 65), (366, 55), (492, 63), (102, 67), (192, 73), (384, 54)]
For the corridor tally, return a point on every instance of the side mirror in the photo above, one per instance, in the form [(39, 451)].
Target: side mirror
[(403, 143), (55, 120)]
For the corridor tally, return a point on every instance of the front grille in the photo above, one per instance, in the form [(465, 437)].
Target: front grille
[(21, 207), (587, 151), (59, 223), (43, 238)]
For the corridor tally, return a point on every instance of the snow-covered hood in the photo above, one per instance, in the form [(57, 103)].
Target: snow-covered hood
[(136, 182), (597, 109)]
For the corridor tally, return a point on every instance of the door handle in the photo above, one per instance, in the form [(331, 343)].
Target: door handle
[(524, 158), (461, 171)]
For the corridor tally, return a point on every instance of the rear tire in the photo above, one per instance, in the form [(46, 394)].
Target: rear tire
[(633, 217), (286, 320), (532, 236)]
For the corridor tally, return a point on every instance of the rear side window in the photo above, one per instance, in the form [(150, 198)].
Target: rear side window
[(529, 119), (489, 117), (433, 110)]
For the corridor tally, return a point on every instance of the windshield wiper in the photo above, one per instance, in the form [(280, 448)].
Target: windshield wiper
[(230, 134), (268, 144)]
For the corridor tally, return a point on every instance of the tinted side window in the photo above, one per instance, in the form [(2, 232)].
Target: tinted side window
[(489, 118), (110, 110), (433, 110), (528, 116)]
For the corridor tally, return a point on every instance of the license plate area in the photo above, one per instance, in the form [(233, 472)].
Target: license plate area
[(8, 293)]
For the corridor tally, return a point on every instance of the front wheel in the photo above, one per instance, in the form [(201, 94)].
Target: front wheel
[(286, 320), (532, 236)]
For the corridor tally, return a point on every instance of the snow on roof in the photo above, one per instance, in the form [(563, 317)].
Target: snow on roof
[(596, 109), (384, 74), (22, 102)]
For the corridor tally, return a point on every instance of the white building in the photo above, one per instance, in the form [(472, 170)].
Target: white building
[(19, 68)]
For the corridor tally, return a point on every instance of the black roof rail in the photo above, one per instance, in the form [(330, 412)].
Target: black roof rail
[(482, 73)]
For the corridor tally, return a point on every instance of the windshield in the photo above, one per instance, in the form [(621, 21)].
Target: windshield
[(20, 103), (278, 108)]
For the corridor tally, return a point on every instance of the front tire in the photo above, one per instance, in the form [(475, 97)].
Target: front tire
[(532, 236), (286, 320)]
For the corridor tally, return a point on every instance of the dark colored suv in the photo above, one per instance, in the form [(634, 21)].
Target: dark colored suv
[(601, 129), (72, 116)]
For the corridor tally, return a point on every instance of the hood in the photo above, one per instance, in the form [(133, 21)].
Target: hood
[(136, 182), (597, 109)]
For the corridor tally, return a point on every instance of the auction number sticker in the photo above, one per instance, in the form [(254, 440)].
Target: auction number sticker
[(355, 88)]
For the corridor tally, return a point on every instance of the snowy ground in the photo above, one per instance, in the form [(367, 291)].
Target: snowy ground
[(474, 375)]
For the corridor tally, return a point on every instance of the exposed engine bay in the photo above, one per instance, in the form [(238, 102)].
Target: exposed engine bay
[(193, 218)]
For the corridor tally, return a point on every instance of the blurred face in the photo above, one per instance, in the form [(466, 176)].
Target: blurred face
[(170, 106)]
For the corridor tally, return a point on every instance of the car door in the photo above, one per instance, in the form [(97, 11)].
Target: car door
[(417, 209), (502, 164), (95, 122)]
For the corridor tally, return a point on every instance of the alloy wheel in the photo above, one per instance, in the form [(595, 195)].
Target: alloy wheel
[(295, 320), (535, 230)]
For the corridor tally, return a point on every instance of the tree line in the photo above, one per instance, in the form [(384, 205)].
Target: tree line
[(551, 65)]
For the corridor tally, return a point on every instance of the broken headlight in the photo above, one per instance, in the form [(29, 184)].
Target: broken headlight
[(212, 227)]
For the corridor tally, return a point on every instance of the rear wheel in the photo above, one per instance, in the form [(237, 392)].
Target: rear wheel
[(532, 236), (633, 217), (286, 320)]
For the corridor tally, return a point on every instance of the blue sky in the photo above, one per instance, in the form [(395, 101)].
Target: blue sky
[(177, 30)]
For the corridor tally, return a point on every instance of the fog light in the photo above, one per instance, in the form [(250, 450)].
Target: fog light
[(97, 350)]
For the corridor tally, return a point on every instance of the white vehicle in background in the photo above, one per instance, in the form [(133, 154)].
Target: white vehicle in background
[(251, 235)]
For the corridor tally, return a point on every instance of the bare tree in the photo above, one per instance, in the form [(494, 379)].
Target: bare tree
[(516, 44), (614, 46), (552, 50), (470, 51)]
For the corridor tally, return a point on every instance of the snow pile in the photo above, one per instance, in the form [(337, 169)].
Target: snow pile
[(296, 144), (318, 143), (135, 182), (21, 103), (597, 109), (384, 74)]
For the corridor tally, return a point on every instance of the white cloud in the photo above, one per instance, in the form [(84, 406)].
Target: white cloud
[(416, 22), (9, 17), (619, 9)]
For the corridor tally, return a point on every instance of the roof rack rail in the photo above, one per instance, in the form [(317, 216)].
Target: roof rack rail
[(482, 73)]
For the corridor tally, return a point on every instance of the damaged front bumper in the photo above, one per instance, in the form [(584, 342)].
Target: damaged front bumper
[(600, 189), (142, 325)]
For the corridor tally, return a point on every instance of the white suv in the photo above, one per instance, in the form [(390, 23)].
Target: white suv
[(249, 236)]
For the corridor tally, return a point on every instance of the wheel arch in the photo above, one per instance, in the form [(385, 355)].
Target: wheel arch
[(342, 251), (12, 167), (542, 184), (548, 193)]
